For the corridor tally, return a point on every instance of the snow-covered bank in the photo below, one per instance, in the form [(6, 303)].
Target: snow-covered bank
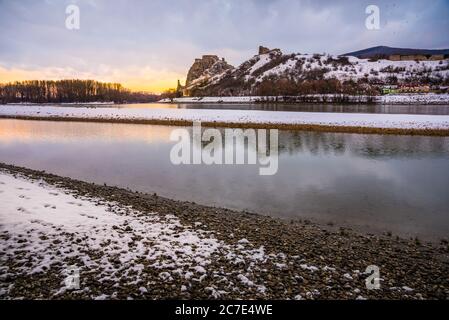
[(232, 117), (415, 99), (322, 98), (52, 226), (130, 245), (54, 229)]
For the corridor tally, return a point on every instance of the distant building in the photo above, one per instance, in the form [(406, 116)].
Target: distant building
[(409, 88), (390, 89), (416, 57), (179, 89), (263, 50), (414, 88)]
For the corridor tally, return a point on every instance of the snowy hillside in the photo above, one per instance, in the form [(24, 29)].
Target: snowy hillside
[(316, 73)]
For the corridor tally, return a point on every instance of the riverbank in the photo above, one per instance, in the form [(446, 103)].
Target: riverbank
[(141, 246), (401, 99), (408, 124)]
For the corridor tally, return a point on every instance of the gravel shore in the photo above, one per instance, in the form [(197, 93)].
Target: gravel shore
[(249, 256)]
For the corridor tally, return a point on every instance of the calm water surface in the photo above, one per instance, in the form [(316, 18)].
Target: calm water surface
[(348, 108), (372, 182)]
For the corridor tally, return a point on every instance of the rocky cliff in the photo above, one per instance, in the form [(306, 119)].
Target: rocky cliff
[(204, 69)]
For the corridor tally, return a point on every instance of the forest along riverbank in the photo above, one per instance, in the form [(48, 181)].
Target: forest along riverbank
[(134, 245)]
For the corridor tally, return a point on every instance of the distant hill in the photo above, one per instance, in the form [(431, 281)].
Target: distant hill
[(387, 51)]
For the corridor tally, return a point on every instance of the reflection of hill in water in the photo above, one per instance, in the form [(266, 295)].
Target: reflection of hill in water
[(371, 146), (306, 107), (362, 145), (290, 142)]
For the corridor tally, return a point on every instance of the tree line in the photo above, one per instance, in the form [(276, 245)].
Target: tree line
[(272, 86), (69, 91)]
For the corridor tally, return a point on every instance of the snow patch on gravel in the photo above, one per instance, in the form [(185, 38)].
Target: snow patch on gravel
[(45, 229), (49, 226)]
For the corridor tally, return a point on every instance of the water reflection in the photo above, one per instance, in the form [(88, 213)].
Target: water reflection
[(364, 108), (291, 142), (375, 182)]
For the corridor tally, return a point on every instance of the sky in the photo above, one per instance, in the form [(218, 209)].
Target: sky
[(148, 44)]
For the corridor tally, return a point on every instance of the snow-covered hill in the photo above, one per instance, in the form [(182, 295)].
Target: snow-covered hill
[(276, 73)]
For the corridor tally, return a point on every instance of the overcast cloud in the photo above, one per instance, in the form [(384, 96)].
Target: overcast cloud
[(148, 44)]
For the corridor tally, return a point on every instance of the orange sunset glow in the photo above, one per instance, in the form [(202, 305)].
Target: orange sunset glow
[(136, 79)]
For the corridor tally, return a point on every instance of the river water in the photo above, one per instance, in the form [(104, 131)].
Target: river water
[(376, 183), (303, 107)]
